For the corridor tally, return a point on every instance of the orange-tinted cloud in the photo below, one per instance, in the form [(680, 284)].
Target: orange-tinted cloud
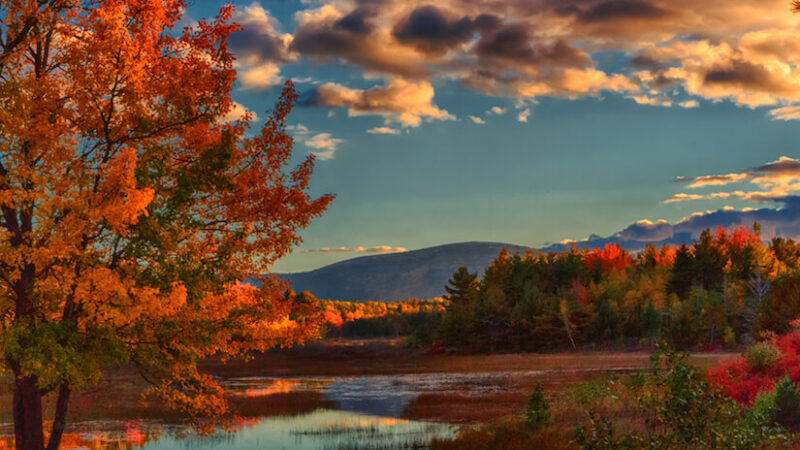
[(405, 102)]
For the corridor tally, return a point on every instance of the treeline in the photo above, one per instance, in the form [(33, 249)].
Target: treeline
[(371, 319), (724, 288)]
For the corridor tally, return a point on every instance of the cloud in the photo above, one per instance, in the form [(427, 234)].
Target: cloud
[(238, 112), (786, 113), (477, 120), (523, 115), (781, 221), (325, 144), (683, 197), (400, 101), (359, 249), (496, 110), (259, 48), (429, 30), (383, 130), (777, 179), (719, 50), (259, 77), (717, 180)]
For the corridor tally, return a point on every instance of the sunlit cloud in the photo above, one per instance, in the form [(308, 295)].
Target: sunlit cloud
[(407, 103), (384, 130), (238, 112), (776, 179), (259, 48), (681, 51), (682, 197), (523, 115), (359, 249), (477, 120), (496, 110)]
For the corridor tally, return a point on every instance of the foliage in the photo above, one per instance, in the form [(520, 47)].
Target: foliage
[(537, 413), (132, 207), (711, 293), (683, 410), (743, 382), (787, 404), (762, 355)]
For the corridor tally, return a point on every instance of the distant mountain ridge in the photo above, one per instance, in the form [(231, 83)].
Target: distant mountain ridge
[(423, 273), (397, 276)]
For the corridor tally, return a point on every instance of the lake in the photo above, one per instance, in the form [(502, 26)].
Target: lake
[(323, 411)]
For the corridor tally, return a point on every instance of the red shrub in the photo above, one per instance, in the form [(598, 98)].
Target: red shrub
[(743, 382)]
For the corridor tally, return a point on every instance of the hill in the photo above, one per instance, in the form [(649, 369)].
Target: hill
[(397, 276)]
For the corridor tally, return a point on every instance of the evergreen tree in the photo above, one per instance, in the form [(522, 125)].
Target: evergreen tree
[(682, 273), (709, 262), (651, 322), (462, 286)]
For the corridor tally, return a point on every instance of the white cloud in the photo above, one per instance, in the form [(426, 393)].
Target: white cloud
[(238, 112), (496, 110), (325, 144)]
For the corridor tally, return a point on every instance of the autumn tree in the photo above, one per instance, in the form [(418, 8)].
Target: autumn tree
[(130, 209)]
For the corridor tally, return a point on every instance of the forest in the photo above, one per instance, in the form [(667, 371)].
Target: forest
[(727, 288)]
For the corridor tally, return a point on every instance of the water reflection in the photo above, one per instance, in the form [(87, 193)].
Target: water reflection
[(321, 429)]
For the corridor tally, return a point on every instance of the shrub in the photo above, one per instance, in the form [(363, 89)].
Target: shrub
[(787, 404), (763, 410), (538, 412), (762, 356), (590, 394)]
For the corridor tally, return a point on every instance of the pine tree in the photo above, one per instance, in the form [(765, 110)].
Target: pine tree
[(682, 273), (462, 286)]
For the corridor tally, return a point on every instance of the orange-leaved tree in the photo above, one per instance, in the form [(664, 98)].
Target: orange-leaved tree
[(131, 210)]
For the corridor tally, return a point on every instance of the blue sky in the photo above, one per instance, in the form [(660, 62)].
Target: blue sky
[(528, 122)]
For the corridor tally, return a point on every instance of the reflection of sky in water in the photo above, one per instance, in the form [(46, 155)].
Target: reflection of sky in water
[(321, 429), (378, 395)]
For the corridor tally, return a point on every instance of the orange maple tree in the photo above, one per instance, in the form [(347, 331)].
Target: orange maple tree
[(130, 209)]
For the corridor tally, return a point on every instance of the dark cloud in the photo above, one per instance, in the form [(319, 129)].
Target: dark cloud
[(742, 74), (783, 166), (350, 40), (428, 30), (515, 44), (622, 9), (357, 21)]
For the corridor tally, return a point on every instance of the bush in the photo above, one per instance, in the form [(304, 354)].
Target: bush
[(589, 394), (763, 410), (538, 412), (762, 356), (787, 404)]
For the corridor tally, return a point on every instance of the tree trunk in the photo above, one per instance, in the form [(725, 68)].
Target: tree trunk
[(60, 419), (27, 414)]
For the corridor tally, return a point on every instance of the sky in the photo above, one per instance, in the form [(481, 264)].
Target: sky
[(529, 122)]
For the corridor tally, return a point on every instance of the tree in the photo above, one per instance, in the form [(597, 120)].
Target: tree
[(709, 262), (462, 286), (130, 209), (682, 273)]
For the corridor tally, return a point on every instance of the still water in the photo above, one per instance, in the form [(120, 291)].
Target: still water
[(350, 413)]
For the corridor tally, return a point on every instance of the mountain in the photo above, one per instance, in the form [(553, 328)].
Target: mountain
[(397, 276)]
